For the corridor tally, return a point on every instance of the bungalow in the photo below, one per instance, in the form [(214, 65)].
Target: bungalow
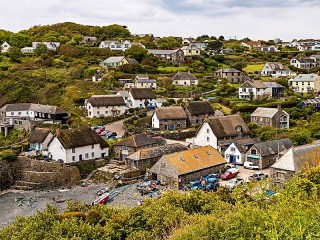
[(295, 159), (275, 69), (305, 83), (303, 62), (142, 97), (184, 79), (114, 62), (178, 169), (145, 158), (315, 47), (264, 154), (231, 75), (74, 145), (5, 47), (169, 118), (219, 132), (115, 45), (130, 145), (176, 55), (50, 45), (315, 102), (235, 152), (40, 138), (198, 111), (105, 106), (273, 117), (251, 90)]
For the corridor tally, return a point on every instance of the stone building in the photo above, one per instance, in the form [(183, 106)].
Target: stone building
[(169, 118), (273, 117), (197, 112)]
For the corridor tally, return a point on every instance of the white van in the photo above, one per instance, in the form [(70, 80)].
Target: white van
[(250, 165)]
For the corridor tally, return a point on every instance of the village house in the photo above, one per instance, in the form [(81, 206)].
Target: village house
[(275, 69), (142, 97), (252, 44), (294, 160), (89, 40), (316, 58), (169, 118), (231, 75), (114, 62), (5, 47), (26, 116), (272, 117), (126, 96), (115, 45), (105, 106), (200, 45), (305, 83), (219, 132), (39, 139), (197, 112), (251, 90), (267, 48), (315, 102), (80, 144), (130, 145), (184, 79), (178, 169), (303, 62), (175, 56), (235, 152), (145, 158), (264, 154), (146, 83), (190, 51), (52, 46)]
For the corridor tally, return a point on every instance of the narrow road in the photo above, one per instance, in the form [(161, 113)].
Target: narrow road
[(116, 127)]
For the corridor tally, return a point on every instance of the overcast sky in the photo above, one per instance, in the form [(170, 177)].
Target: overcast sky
[(256, 19)]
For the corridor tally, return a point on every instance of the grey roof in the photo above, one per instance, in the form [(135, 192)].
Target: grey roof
[(162, 51), (266, 112), (106, 100), (275, 66), (107, 42), (305, 60), (254, 84), (170, 113), (157, 152), (242, 143), (184, 76), (142, 76), (38, 135), (132, 61), (304, 78), (272, 85), (227, 70), (33, 107), (146, 81), (113, 59), (315, 56), (123, 93), (273, 147), (140, 140)]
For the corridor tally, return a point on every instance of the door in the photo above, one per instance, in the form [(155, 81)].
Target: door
[(232, 159), (172, 127), (80, 157)]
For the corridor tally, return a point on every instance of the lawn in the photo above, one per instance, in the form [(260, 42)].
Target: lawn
[(251, 68), (173, 69), (224, 109)]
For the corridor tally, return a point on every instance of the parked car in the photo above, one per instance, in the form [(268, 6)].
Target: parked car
[(100, 130), (257, 176), (230, 173), (104, 133), (228, 166), (102, 191), (250, 165), (111, 135), (234, 182)]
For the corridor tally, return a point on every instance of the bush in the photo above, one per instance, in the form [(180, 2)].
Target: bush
[(9, 155)]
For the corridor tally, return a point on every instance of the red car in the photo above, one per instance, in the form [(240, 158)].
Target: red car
[(230, 173)]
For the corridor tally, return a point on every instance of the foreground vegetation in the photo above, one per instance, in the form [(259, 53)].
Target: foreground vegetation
[(248, 213)]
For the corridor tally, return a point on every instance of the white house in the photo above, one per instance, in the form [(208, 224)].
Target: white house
[(275, 69), (105, 105), (141, 97), (250, 90), (50, 45), (303, 63), (115, 45), (184, 79), (5, 47), (146, 83), (190, 51), (28, 49), (39, 139), (315, 47), (305, 83), (74, 145)]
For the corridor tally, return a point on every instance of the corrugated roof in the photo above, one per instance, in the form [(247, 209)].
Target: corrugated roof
[(170, 113), (194, 159), (106, 100)]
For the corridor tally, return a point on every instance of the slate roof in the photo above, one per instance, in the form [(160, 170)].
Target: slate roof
[(275, 66), (227, 70), (142, 76), (132, 61), (106, 100), (254, 83), (305, 60), (113, 59), (304, 78), (184, 76), (226, 126), (297, 157), (32, 107), (273, 147), (142, 93), (157, 152), (200, 108), (241, 143), (139, 140), (146, 81), (170, 113), (38, 135), (272, 85), (189, 161), (266, 112), (162, 51), (79, 137)]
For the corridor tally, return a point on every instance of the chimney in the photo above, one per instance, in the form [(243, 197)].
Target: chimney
[(57, 131), (279, 107)]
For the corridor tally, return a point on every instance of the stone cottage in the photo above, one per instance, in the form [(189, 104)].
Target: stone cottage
[(169, 118), (197, 111)]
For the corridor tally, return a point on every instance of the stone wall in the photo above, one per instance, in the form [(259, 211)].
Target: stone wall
[(280, 176), (178, 135)]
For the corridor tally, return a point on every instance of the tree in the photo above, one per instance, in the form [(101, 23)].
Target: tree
[(15, 54), (19, 40), (115, 31), (137, 52), (214, 46), (168, 43), (41, 49)]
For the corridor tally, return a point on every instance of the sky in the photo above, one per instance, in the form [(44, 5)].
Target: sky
[(256, 19)]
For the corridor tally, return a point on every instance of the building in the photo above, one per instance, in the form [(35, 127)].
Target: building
[(184, 79), (264, 154), (89, 40), (219, 132), (176, 56), (294, 160), (303, 63), (231, 75), (105, 106), (115, 45), (305, 83), (26, 116), (251, 90), (235, 152), (130, 145), (146, 83), (198, 111), (315, 102), (30, 50), (114, 62), (80, 144), (5, 47), (275, 69), (169, 118), (142, 97), (252, 44), (145, 158), (178, 169), (271, 117), (52, 46), (39, 139), (190, 51)]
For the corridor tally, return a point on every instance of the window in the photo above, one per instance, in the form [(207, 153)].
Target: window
[(253, 151), (124, 147), (73, 158), (92, 154), (73, 150), (208, 139), (89, 107), (232, 149), (92, 146), (19, 113), (86, 155), (98, 112), (89, 113), (12, 113), (106, 112), (208, 130)]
